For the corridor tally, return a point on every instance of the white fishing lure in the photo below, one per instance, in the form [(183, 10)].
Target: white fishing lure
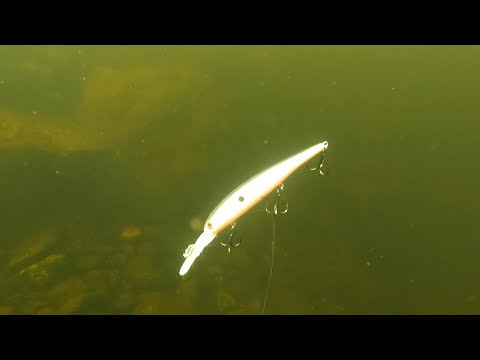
[(244, 197)]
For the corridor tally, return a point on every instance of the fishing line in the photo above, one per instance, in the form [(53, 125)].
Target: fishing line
[(271, 264)]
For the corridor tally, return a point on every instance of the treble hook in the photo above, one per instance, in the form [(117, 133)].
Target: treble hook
[(321, 162), (275, 209), (230, 242)]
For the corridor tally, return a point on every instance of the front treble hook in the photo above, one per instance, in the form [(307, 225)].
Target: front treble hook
[(321, 162), (276, 206), (230, 242)]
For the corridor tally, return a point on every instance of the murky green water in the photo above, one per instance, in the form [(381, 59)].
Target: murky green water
[(111, 159)]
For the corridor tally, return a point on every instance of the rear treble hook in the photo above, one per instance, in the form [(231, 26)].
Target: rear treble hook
[(276, 206), (321, 162), (230, 242)]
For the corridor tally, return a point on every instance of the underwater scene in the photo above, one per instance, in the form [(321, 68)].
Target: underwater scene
[(281, 179)]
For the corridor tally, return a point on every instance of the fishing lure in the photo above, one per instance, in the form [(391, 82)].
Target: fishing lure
[(246, 196)]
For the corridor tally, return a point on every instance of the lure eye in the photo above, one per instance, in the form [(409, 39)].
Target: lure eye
[(241, 198), (209, 225)]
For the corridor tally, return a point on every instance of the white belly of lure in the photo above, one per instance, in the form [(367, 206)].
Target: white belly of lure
[(244, 197)]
